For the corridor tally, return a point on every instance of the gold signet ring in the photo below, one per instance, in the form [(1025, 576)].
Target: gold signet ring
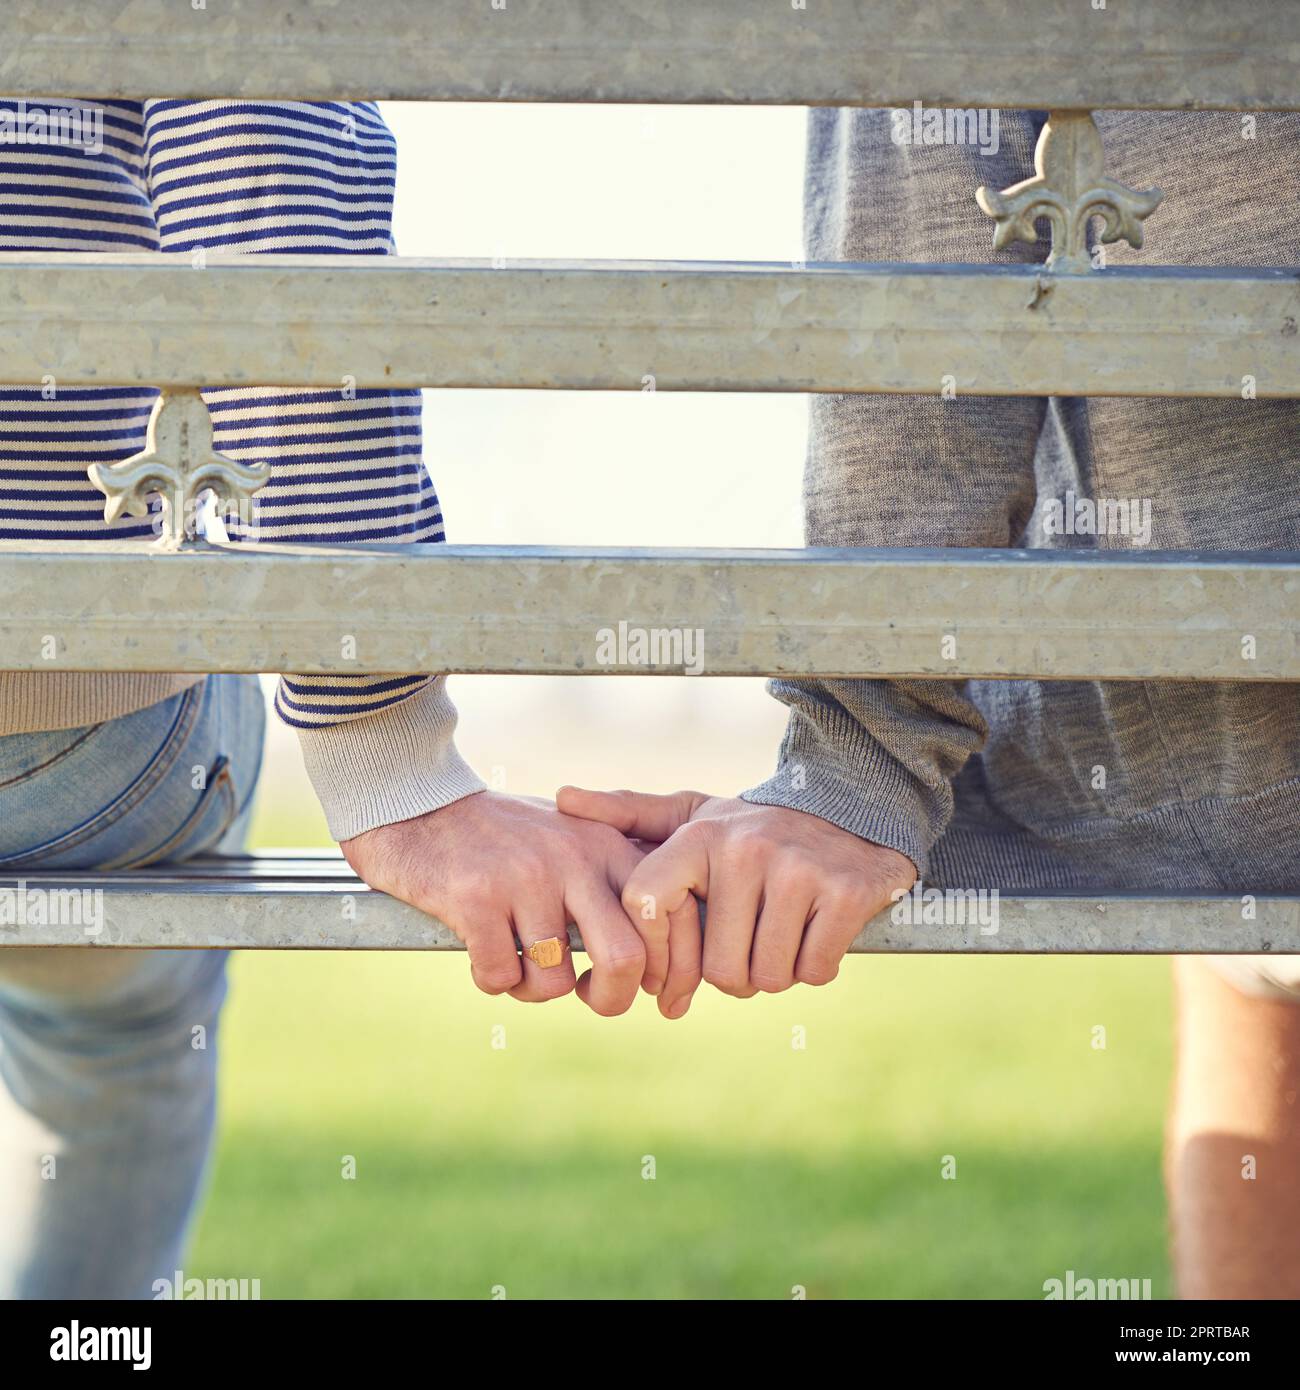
[(548, 953)]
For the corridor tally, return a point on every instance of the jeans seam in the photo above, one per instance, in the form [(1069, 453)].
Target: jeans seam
[(50, 762)]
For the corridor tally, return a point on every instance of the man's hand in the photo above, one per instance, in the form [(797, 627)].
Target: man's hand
[(787, 891), (494, 867)]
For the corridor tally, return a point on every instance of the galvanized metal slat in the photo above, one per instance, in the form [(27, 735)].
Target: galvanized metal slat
[(1024, 53), (1050, 615), (281, 905), (391, 321)]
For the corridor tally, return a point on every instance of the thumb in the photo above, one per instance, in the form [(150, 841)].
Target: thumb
[(641, 815)]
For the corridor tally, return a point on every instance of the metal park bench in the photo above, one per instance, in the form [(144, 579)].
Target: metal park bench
[(1067, 329)]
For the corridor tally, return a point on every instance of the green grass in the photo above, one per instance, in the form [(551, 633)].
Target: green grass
[(775, 1167)]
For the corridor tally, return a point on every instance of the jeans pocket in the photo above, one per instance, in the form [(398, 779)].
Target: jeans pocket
[(202, 829)]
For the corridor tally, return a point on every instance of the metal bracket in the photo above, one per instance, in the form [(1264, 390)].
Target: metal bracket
[(178, 462), (1069, 189)]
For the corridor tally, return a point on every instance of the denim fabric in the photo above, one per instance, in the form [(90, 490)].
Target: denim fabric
[(108, 1058)]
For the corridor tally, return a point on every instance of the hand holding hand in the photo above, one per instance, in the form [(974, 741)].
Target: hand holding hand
[(494, 867), (787, 891)]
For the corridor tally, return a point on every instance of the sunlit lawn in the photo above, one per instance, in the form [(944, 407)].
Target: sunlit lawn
[(521, 1167)]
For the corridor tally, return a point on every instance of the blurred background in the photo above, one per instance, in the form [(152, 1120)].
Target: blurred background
[(759, 1147)]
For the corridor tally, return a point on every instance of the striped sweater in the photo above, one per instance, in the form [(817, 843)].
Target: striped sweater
[(346, 466)]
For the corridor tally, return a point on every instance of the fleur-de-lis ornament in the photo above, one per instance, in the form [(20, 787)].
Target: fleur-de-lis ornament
[(1069, 188), (178, 462)]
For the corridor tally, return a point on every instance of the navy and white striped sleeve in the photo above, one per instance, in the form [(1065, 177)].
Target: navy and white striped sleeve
[(346, 464)]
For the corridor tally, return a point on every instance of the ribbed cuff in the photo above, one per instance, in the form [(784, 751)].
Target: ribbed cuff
[(389, 766), (843, 775)]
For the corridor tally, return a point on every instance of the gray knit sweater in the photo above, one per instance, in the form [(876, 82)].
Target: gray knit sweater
[(1054, 785)]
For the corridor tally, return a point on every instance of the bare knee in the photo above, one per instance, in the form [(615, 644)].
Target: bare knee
[(1233, 1151)]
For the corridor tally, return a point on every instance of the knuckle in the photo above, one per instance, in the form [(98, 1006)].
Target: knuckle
[(475, 891), (749, 848), (819, 971), (494, 970), (794, 862), (727, 980), (770, 981), (496, 979), (843, 900), (637, 903), (473, 909), (626, 960)]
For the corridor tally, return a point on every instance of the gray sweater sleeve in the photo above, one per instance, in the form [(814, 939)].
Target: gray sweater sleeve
[(877, 757)]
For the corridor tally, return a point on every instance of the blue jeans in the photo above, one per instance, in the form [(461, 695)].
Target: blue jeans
[(108, 1057)]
